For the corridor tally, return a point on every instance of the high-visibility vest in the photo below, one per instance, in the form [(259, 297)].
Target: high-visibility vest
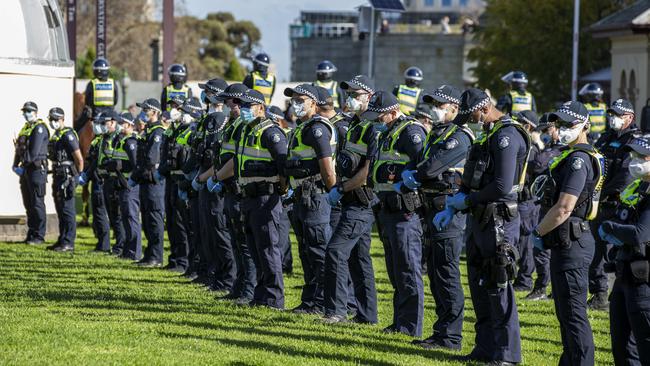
[(264, 85), (597, 117), (408, 98), (333, 88), (254, 162), (390, 156), (172, 92), (103, 92), (521, 102)]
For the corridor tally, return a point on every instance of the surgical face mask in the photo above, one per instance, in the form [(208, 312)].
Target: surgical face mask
[(546, 138), (118, 128), (143, 117), (204, 97), (175, 114), (639, 168), (98, 129), (616, 123), (299, 109), (439, 115), (29, 116), (55, 124), (568, 135), (380, 127), (246, 115), (186, 119)]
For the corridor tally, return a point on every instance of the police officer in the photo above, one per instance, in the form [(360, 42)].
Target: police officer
[(399, 148), (177, 86), (409, 93), (324, 72), (349, 280), (260, 156), (111, 184), (30, 164), (152, 186), (424, 114), (260, 78), (528, 209), (611, 144), (571, 195), (101, 223), (63, 151), (121, 166), (591, 95), (101, 93), (629, 310), (310, 165), (493, 175), (517, 99), (437, 176), (539, 166)]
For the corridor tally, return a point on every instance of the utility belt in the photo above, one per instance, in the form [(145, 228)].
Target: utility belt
[(569, 231), (401, 202), (500, 269), (607, 209), (177, 174), (308, 186), (633, 272), (434, 202), (525, 194), (63, 168), (362, 195), (499, 211), (231, 186), (37, 164), (258, 189)]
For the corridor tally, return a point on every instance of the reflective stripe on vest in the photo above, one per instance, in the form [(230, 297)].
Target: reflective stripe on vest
[(229, 143), (521, 102), (29, 127), (358, 146), (597, 117), (390, 156), (254, 152), (332, 88), (103, 92), (264, 85), (630, 196), (173, 92), (408, 98)]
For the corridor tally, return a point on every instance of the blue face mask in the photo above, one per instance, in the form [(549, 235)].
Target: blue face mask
[(546, 139), (246, 115), (380, 127), (143, 117), (204, 98)]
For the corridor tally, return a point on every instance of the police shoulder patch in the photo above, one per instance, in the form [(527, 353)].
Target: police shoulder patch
[(132, 147), (39, 129), (577, 163), (318, 132), (415, 138), (70, 137), (504, 141), (275, 138), (451, 143), (156, 138)]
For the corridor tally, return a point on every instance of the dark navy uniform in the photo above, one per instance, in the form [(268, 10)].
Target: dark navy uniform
[(492, 178), (152, 192), (629, 308), (311, 141), (31, 155), (63, 144), (400, 148), (444, 153), (101, 223), (347, 256), (111, 187), (577, 172), (124, 161), (341, 124), (610, 144), (261, 154)]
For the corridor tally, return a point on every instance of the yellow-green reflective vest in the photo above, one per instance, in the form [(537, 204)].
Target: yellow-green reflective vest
[(521, 102), (597, 117), (103, 92), (264, 85), (390, 157), (333, 88), (254, 162), (408, 98), (172, 92)]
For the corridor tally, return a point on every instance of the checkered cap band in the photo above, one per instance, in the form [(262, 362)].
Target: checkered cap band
[(573, 114), (641, 142), (383, 110), (254, 99), (146, 105), (423, 114), (475, 107), (620, 105), (439, 93), (357, 81), (306, 92), (232, 95)]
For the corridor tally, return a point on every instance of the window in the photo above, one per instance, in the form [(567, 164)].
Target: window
[(446, 2), (622, 89), (428, 2)]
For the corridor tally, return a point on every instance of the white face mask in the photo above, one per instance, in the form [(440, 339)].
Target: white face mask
[(29, 116), (299, 109), (353, 104), (639, 168), (616, 123), (55, 125), (187, 119), (568, 135), (175, 114), (439, 115), (98, 129)]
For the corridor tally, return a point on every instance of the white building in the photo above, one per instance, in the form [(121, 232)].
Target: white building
[(34, 65), (628, 31), (445, 6)]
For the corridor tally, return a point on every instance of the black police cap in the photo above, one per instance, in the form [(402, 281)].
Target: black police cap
[(30, 107), (193, 107), (216, 85), (621, 107), (443, 94), (253, 96), (234, 91), (275, 112), (471, 100), (571, 112), (528, 117), (640, 145), (381, 102), (150, 103), (126, 117), (307, 90), (323, 96), (359, 82), (56, 113)]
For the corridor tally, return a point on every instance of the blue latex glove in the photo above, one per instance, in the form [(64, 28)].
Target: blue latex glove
[(397, 187), (214, 186), (288, 195), (538, 242), (457, 201), (18, 170), (183, 195), (196, 185), (157, 176), (334, 196), (408, 177), (82, 179), (443, 218), (132, 183), (609, 237)]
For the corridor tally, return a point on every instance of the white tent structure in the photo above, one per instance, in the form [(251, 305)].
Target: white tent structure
[(34, 65)]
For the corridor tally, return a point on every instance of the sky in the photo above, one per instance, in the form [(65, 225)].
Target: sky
[(272, 17)]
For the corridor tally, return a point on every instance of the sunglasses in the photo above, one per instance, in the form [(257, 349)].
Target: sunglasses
[(355, 94), (565, 124)]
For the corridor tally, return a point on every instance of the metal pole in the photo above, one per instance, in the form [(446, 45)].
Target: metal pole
[(168, 38), (371, 43), (576, 39)]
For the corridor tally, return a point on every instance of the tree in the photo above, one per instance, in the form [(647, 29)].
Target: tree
[(535, 36), (84, 64)]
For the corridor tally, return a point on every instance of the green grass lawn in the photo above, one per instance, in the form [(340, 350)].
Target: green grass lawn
[(94, 309)]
